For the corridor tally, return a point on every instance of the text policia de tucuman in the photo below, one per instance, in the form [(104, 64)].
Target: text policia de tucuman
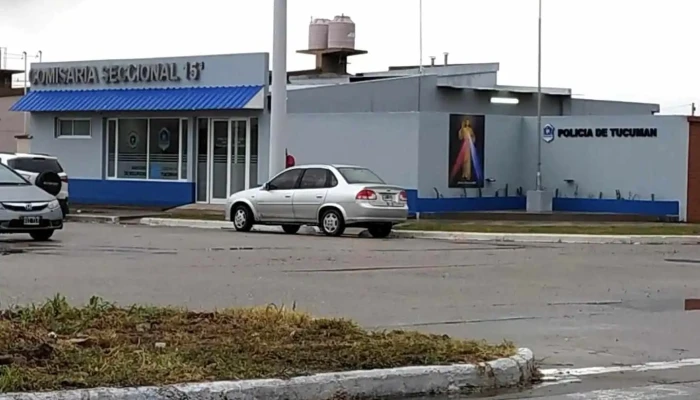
[(607, 132)]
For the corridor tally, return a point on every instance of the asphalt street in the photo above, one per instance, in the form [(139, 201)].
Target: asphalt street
[(573, 305)]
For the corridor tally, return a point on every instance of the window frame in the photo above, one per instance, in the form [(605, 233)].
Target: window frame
[(183, 121), (326, 182), (296, 183), (381, 181), (57, 128)]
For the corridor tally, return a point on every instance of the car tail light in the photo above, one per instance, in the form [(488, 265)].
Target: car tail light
[(366, 194), (64, 179), (402, 196)]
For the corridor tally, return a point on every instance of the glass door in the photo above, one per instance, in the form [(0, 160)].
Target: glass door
[(220, 151), (239, 129), (202, 172)]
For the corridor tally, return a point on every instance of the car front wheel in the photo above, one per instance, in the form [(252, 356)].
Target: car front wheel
[(380, 231), (332, 222), (242, 218), (42, 236)]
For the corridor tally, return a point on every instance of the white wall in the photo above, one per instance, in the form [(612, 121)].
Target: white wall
[(81, 158), (638, 167), (387, 143)]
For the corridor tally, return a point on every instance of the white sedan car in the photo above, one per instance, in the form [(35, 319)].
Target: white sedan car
[(332, 197)]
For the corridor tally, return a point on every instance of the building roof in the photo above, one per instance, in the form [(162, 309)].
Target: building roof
[(509, 89), (152, 99)]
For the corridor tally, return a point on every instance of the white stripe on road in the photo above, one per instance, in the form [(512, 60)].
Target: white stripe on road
[(637, 393), (652, 366)]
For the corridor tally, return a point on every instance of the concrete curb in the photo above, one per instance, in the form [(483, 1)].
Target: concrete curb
[(92, 218), (208, 224), (549, 238), (454, 236), (380, 383)]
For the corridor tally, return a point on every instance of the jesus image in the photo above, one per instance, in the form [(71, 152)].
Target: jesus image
[(468, 139)]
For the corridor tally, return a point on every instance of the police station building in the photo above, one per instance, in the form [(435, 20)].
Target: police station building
[(173, 131)]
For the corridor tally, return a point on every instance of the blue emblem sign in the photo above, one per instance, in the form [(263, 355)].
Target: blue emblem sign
[(548, 133), (164, 139)]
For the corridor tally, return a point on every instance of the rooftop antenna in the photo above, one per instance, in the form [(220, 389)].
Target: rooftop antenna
[(420, 35)]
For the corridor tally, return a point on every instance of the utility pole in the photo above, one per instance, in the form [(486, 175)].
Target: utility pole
[(539, 99), (278, 117), (26, 78), (539, 200)]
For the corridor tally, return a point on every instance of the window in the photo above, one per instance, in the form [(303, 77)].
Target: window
[(132, 148), (287, 180), (147, 148), (359, 175), (70, 128), (164, 149), (10, 177), (35, 165), (314, 178)]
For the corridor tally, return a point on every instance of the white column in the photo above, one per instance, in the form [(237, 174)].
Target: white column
[(278, 117)]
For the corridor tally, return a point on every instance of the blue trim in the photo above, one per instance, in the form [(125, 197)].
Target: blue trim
[(148, 99), (514, 203), (131, 193), (613, 206), (462, 204)]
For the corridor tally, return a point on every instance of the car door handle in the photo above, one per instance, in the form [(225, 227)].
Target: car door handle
[(287, 197), (319, 197)]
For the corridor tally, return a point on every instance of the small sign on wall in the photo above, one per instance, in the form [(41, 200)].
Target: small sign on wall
[(549, 132)]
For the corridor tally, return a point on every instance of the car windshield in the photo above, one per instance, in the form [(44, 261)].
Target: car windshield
[(36, 164), (8, 177), (359, 175)]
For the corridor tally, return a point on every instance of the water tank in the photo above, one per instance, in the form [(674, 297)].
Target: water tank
[(341, 33), (318, 34)]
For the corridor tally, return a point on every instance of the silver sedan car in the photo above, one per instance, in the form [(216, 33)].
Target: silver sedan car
[(332, 197), (26, 208)]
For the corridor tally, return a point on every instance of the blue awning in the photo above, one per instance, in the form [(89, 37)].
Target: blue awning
[(151, 99)]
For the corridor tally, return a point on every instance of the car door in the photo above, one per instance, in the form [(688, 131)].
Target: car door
[(311, 194), (274, 201)]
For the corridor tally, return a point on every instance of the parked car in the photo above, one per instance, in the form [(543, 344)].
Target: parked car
[(26, 208), (332, 197), (34, 167)]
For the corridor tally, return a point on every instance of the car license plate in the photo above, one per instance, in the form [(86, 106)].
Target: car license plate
[(388, 197), (31, 221)]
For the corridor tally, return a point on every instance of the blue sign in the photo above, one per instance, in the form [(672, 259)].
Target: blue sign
[(548, 133), (164, 139)]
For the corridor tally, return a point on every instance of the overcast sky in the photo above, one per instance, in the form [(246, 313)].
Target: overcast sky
[(637, 50)]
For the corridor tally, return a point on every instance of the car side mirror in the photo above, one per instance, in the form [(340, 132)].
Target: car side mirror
[(266, 186)]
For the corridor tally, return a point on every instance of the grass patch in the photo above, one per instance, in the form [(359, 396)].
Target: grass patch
[(562, 228), (57, 346)]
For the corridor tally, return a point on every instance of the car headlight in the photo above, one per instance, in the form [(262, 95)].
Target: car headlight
[(53, 204)]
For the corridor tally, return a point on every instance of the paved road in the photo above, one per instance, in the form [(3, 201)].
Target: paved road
[(574, 305)]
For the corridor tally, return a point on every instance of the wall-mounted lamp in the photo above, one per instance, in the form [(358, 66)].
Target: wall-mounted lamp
[(504, 100), (569, 181), (490, 180)]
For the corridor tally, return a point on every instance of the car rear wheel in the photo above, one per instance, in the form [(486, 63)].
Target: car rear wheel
[(42, 236), (380, 230), (332, 222), (242, 218), (290, 229)]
